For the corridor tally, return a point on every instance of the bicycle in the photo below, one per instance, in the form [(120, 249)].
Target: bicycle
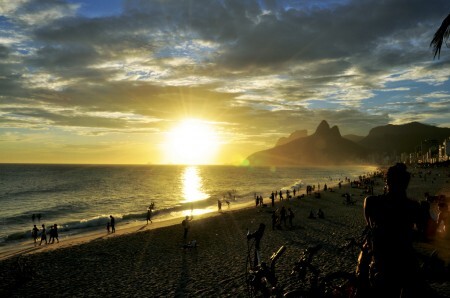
[(334, 284), (261, 279)]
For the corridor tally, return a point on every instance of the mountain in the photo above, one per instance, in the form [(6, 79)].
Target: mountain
[(293, 136), (396, 139), (325, 147)]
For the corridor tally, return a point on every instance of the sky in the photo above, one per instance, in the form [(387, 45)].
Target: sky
[(113, 82)]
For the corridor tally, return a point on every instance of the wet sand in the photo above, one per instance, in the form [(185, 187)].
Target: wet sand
[(149, 261)]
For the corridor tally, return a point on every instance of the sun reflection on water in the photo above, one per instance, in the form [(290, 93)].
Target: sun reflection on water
[(193, 191), (192, 185)]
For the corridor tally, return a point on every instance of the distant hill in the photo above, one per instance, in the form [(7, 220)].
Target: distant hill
[(396, 139), (325, 147), (293, 136)]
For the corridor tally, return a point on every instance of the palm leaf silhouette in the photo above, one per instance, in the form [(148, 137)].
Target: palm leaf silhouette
[(440, 36)]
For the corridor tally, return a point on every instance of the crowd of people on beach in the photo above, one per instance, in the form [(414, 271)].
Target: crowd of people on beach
[(42, 233), (395, 222)]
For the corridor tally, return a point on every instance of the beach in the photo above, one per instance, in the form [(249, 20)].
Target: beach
[(149, 260)]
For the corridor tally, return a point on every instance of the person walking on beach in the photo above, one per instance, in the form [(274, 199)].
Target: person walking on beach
[(55, 233), (51, 238), (108, 227), (43, 235), (186, 226), (149, 215), (113, 224), (34, 234), (391, 218)]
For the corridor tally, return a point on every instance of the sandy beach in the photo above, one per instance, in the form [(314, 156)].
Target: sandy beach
[(149, 261)]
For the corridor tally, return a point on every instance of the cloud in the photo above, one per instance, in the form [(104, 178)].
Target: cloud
[(260, 68)]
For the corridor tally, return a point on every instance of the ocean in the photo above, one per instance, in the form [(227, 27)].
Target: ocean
[(80, 198)]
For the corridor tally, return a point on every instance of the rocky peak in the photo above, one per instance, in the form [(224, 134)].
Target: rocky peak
[(324, 130), (334, 131)]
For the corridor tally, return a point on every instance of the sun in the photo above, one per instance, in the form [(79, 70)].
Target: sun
[(191, 142)]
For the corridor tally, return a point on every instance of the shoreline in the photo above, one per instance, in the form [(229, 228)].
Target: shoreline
[(151, 262), (131, 225), (24, 247)]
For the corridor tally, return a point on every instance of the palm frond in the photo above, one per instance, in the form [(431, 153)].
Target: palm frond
[(441, 35)]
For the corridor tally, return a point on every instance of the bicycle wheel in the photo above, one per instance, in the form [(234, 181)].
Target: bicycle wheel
[(338, 284)]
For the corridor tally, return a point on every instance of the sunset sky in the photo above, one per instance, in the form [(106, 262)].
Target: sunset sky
[(117, 81)]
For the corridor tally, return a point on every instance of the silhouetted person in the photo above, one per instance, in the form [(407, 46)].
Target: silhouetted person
[(113, 224), (34, 234), (257, 235), (311, 215), (290, 216), (51, 233), (108, 227), (43, 235), (274, 219), (55, 235), (391, 218), (33, 217), (149, 215), (186, 226)]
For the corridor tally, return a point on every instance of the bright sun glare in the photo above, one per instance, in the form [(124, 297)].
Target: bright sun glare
[(191, 142)]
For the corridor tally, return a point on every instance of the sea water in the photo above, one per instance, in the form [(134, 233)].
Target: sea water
[(80, 198)]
